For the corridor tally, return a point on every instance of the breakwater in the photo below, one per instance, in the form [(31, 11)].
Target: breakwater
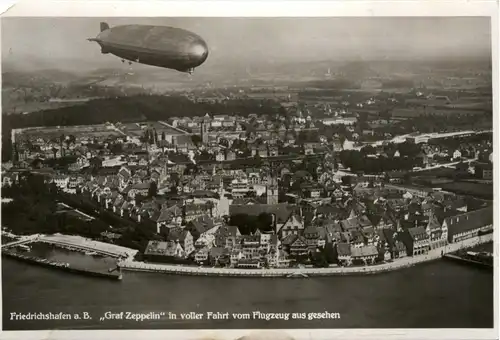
[(61, 266), (306, 272)]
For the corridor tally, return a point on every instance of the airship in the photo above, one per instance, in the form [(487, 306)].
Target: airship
[(161, 46)]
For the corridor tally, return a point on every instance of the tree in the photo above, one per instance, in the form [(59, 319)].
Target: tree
[(264, 222), (302, 137), (256, 161), (163, 135), (346, 180), (151, 137), (196, 139), (247, 224), (37, 163), (175, 179), (331, 253), (153, 189), (96, 227), (368, 150), (116, 148)]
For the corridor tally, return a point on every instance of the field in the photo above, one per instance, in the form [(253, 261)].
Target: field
[(79, 131), (98, 131)]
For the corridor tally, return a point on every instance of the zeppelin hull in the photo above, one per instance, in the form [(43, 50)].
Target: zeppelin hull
[(155, 45)]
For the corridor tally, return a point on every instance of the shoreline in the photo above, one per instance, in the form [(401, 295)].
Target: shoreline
[(435, 254), (128, 264)]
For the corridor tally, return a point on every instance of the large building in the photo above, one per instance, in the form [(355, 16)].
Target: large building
[(468, 225), (340, 121)]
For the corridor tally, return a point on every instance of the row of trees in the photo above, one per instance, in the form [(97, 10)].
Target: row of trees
[(358, 163), (431, 122), (248, 224)]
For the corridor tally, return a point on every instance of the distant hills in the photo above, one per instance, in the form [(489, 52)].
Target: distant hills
[(24, 88)]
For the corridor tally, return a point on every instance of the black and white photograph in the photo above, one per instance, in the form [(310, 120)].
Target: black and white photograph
[(175, 172)]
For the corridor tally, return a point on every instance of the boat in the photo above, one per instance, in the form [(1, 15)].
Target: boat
[(472, 258)]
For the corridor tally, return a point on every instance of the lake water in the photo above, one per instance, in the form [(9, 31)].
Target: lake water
[(438, 294)]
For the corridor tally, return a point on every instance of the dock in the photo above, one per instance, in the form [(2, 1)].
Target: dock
[(61, 266)]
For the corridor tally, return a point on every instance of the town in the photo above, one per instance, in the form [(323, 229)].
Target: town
[(328, 184)]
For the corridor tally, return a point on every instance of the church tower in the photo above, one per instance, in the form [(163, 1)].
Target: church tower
[(272, 191), (204, 132)]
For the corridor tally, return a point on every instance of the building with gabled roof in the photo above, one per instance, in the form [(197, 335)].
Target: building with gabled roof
[(156, 249), (299, 246), (293, 225), (203, 225), (224, 232), (416, 240), (183, 237), (367, 254), (315, 236), (344, 254), (437, 238), (390, 238)]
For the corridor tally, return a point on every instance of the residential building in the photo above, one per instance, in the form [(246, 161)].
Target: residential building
[(183, 238), (416, 240), (344, 254), (366, 254)]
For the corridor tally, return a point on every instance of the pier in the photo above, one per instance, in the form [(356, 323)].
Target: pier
[(21, 240), (72, 246), (63, 244), (62, 266), (83, 244), (15, 243)]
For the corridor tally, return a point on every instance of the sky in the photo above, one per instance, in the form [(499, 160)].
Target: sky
[(61, 42)]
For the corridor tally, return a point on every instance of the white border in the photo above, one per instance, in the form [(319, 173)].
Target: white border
[(245, 8), (274, 8)]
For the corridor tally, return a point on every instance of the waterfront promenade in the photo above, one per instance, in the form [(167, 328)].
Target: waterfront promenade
[(127, 262), (404, 262)]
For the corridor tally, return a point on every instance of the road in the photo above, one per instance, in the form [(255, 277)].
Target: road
[(445, 165)]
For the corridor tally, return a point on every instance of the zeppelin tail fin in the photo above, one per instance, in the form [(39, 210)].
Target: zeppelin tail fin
[(104, 26)]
